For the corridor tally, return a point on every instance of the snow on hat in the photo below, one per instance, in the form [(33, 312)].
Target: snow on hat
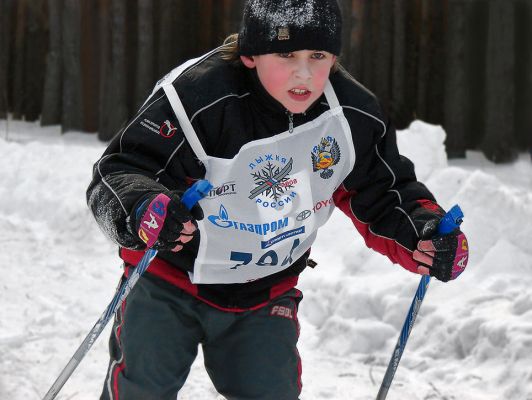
[(283, 26)]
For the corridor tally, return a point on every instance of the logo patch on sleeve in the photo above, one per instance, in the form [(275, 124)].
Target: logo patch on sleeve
[(167, 130)]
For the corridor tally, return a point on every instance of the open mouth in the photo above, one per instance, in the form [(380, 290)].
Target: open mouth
[(300, 92), (299, 95)]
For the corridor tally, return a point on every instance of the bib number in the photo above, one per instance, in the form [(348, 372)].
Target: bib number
[(270, 258)]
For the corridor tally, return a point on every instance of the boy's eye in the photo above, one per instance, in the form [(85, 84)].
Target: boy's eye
[(318, 56), (285, 55)]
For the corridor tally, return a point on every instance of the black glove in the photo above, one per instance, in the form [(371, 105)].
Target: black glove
[(163, 222), (442, 256)]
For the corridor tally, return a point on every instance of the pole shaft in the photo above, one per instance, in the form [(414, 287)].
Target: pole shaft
[(449, 222), (403, 337), (99, 326)]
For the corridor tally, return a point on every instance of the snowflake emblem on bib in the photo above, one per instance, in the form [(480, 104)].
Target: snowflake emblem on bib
[(324, 156), (272, 181)]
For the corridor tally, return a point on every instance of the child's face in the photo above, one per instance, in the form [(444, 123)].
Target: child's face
[(297, 79)]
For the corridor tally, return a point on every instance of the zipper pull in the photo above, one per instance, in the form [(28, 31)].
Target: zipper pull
[(290, 122)]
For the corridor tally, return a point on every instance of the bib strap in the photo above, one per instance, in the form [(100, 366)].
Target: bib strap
[(184, 122), (330, 95)]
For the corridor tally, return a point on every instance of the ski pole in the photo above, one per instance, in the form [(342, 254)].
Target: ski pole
[(450, 221), (196, 192)]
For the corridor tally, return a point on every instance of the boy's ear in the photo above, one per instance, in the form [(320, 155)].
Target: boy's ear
[(248, 61)]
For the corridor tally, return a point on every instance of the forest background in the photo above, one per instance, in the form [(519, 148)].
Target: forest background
[(89, 64)]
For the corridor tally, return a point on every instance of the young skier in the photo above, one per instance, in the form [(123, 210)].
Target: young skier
[(284, 134)]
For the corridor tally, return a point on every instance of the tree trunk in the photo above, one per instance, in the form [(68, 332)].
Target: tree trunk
[(499, 141), (131, 38), (477, 17), (353, 45), (383, 53), (6, 16), (412, 56), (219, 25), (90, 65), (431, 61), (72, 107), (174, 38), (398, 103), (232, 16), (423, 70), (52, 96), (104, 46), (369, 40), (35, 50), (114, 113), (191, 12), (18, 69), (145, 75), (347, 47), (457, 88), (206, 21), (436, 89), (524, 74)]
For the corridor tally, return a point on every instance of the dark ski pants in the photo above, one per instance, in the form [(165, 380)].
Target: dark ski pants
[(248, 355)]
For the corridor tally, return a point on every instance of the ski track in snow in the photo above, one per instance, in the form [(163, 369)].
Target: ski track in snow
[(472, 339)]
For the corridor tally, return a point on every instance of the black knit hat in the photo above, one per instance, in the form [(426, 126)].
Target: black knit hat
[(283, 26)]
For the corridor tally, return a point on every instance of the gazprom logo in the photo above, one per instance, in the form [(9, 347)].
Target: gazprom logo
[(222, 220)]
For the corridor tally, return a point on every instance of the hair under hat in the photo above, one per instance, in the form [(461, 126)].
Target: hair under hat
[(283, 26)]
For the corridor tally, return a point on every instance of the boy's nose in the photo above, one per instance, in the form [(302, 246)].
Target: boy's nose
[(303, 71)]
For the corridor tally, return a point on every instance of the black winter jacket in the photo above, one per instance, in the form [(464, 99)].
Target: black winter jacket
[(228, 107)]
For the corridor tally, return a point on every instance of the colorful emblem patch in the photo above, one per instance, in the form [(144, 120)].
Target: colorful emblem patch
[(325, 156), (273, 184)]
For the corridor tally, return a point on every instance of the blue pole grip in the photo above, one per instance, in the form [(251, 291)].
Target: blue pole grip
[(451, 220), (195, 193)]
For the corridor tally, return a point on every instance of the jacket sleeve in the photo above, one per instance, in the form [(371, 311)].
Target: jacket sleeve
[(381, 193), (149, 155)]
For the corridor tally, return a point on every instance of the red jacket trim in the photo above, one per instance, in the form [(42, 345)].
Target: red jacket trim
[(430, 205), (397, 253)]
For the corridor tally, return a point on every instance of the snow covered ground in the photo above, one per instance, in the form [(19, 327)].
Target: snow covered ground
[(472, 339)]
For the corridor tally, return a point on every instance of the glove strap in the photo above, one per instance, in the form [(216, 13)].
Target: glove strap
[(153, 219), (462, 254)]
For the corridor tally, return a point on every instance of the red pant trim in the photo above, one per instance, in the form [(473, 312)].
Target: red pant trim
[(116, 369), (179, 278)]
